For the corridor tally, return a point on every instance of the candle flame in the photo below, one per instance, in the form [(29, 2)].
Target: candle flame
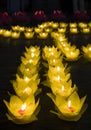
[(23, 107), (22, 110), (32, 54), (30, 61), (27, 79), (63, 90), (69, 106)]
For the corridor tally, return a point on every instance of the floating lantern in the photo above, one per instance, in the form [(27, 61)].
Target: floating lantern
[(63, 88), (7, 33), (86, 30), (24, 87), (61, 30), (29, 35), (72, 55), (15, 35), (74, 30), (70, 109), (50, 52), (87, 51), (22, 112), (63, 24), (38, 30), (73, 25), (1, 31), (15, 28), (43, 35)]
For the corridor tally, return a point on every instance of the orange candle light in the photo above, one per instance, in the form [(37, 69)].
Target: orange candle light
[(22, 110), (63, 90), (69, 106)]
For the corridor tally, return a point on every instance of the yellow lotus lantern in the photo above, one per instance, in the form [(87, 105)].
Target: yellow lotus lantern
[(43, 35), (7, 33), (15, 35), (50, 52), (38, 30), (21, 28), (73, 25), (23, 88), (55, 25), (58, 78), (72, 55), (73, 30), (27, 70), (22, 111), (31, 56), (71, 108), (63, 89), (15, 28), (86, 30), (82, 25), (28, 35), (61, 30), (28, 29), (48, 30), (62, 24), (1, 31), (87, 51), (33, 61), (35, 49), (55, 61)]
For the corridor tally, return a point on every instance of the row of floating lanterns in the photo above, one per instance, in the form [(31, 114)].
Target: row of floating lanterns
[(46, 28), (23, 106), (58, 32), (68, 104), (71, 52)]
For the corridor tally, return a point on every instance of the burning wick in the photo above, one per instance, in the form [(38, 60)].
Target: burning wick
[(63, 90), (22, 110), (69, 106)]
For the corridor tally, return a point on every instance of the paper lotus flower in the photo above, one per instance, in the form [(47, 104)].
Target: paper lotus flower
[(7, 33), (33, 61), (28, 35), (87, 51), (56, 62), (22, 112), (58, 77), (24, 87), (63, 24), (27, 70), (50, 52), (15, 34), (61, 30), (34, 49), (72, 55), (63, 89), (73, 30), (73, 25), (43, 35), (70, 109), (86, 30)]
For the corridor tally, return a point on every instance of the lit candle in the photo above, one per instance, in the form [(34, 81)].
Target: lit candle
[(69, 106), (28, 90), (15, 34), (30, 61), (22, 110), (89, 49), (32, 54), (63, 90), (27, 79)]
